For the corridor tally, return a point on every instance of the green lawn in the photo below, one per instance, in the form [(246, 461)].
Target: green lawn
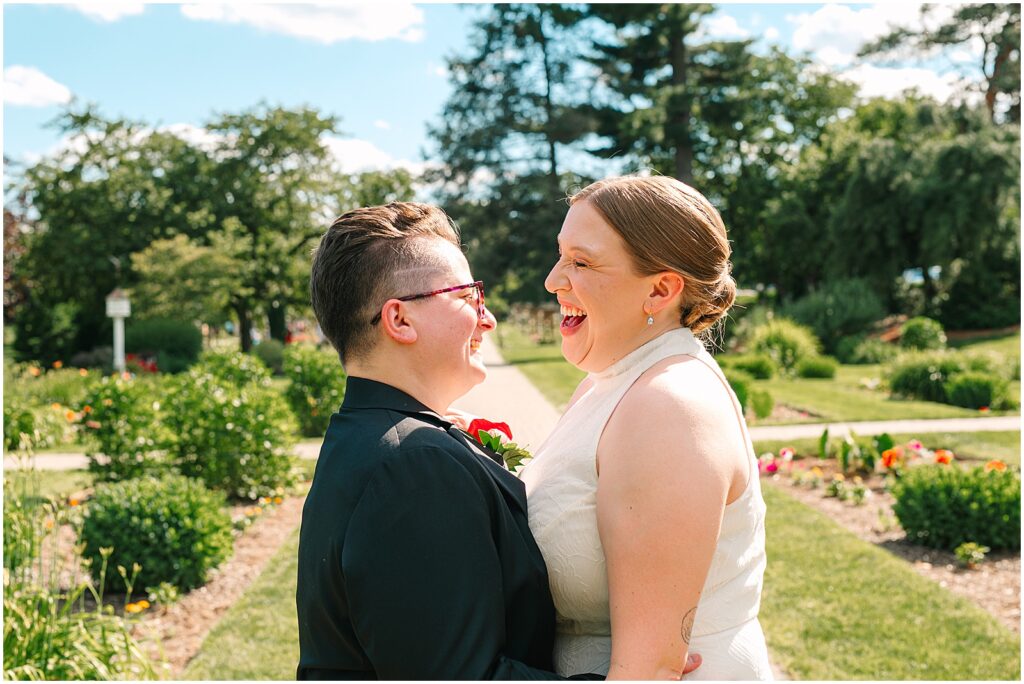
[(1007, 345), (49, 483), (972, 446), (836, 607), (258, 637)]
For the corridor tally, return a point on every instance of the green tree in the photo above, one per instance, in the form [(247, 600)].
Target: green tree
[(996, 26), (506, 138)]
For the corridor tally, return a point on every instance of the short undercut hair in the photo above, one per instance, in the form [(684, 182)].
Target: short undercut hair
[(368, 256)]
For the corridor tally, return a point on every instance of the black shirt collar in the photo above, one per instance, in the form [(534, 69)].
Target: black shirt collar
[(362, 393)]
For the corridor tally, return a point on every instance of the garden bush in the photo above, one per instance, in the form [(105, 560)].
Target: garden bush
[(740, 383), (785, 342), (943, 507), (922, 333), (175, 528), (836, 309), (317, 386), (100, 358), (973, 390), (29, 427), (175, 344), (762, 402), (271, 353), (817, 367), (122, 430), (234, 437), (859, 350), (924, 375), (32, 384), (759, 366), (234, 367)]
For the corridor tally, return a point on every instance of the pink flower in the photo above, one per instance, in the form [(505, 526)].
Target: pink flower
[(787, 453), (915, 445), (771, 467)]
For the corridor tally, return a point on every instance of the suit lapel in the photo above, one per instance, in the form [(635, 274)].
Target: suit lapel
[(509, 483)]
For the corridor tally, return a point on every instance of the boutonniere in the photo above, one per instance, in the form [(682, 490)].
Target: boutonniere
[(498, 438)]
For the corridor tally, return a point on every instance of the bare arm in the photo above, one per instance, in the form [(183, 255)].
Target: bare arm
[(661, 494)]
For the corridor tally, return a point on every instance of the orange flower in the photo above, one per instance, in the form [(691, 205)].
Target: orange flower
[(73, 502), (83, 372), (87, 409), (891, 457), (143, 604), (48, 524), (35, 371), (108, 402), (983, 409), (70, 415), (996, 465), (278, 499), (58, 364), (943, 456), (56, 406), (133, 608)]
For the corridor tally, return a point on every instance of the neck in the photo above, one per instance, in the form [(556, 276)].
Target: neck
[(406, 376)]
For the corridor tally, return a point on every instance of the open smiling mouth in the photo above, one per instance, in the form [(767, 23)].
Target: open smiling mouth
[(572, 317), (474, 346)]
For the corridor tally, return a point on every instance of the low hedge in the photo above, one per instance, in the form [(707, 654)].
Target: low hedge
[(817, 367), (785, 342), (943, 507), (175, 528)]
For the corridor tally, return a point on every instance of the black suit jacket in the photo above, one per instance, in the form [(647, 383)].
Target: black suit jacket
[(415, 557)]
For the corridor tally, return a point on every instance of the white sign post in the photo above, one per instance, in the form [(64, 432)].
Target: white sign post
[(118, 308)]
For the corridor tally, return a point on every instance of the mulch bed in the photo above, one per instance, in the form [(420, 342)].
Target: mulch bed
[(994, 585)]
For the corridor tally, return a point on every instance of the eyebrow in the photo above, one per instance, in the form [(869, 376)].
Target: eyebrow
[(582, 250)]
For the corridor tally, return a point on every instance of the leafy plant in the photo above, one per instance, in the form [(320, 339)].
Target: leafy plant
[(173, 527), (861, 350), (837, 308), (271, 353), (922, 333), (120, 423), (233, 437), (974, 390), (785, 342), (740, 383), (970, 554), (944, 507), (924, 375), (234, 367), (176, 344), (762, 402), (816, 367), (317, 386), (759, 366)]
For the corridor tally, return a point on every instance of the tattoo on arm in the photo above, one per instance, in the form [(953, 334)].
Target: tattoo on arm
[(686, 629)]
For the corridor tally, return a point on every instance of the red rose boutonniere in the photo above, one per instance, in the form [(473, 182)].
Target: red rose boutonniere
[(498, 438)]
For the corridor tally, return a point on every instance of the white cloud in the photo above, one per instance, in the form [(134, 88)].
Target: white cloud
[(437, 70), (108, 11), (889, 82), (323, 23), (723, 27), (834, 33), (30, 87), (382, 124), (771, 33), (353, 155), (194, 135)]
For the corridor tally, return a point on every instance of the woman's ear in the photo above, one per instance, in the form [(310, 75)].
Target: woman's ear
[(666, 288), (396, 323)]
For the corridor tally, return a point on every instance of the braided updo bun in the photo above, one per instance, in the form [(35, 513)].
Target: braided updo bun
[(669, 226)]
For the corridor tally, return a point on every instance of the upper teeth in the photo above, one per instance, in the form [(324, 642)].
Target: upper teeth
[(572, 311), (474, 345)]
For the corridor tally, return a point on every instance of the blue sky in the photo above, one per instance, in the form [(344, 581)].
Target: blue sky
[(378, 67)]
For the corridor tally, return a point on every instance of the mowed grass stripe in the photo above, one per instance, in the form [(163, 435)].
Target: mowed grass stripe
[(836, 607), (258, 637)]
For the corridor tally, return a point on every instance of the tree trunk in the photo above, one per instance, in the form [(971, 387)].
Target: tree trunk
[(244, 327), (548, 106), (679, 116), (276, 321), (929, 289)]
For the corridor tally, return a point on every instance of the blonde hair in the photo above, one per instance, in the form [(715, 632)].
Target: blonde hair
[(669, 226)]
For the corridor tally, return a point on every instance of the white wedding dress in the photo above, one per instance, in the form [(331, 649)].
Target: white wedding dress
[(561, 486)]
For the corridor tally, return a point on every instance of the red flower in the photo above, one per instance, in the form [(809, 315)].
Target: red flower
[(481, 424)]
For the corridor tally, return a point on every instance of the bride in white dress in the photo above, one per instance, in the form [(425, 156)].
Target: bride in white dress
[(645, 499)]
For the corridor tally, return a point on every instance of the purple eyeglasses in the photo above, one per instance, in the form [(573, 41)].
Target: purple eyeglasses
[(479, 285)]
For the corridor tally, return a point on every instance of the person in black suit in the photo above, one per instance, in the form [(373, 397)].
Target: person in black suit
[(415, 557)]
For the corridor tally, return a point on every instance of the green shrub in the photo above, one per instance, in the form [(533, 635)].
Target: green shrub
[(65, 386), (45, 331), (785, 342), (922, 333), (924, 375), (865, 350), (740, 383), (317, 386), (762, 402), (973, 390), (759, 366), (943, 507), (234, 437), (271, 353), (234, 367), (986, 292), (122, 431), (836, 309), (173, 527), (28, 427), (817, 367), (175, 344), (100, 358)]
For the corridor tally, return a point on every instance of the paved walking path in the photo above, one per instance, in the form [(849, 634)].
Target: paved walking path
[(508, 396)]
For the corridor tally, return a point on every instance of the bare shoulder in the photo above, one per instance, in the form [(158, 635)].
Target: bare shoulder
[(682, 387)]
